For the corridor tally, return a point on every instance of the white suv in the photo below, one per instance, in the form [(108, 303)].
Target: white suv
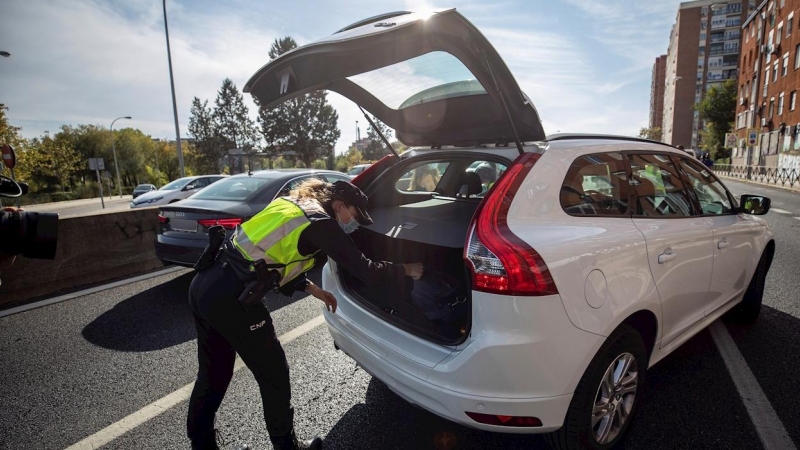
[(558, 268)]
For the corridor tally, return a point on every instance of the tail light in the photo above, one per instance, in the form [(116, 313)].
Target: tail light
[(372, 172), (163, 220), (500, 261), (228, 224), (505, 421)]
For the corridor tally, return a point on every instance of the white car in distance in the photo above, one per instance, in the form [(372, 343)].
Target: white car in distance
[(175, 191)]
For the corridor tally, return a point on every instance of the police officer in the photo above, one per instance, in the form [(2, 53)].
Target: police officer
[(274, 249)]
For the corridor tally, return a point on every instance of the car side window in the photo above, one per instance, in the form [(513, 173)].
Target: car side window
[(200, 183), (335, 178), (296, 182), (488, 172), (712, 196), (423, 177), (657, 187), (596, 185)]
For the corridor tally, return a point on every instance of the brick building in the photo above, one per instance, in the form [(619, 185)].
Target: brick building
[(768, 85), (703, 50), (657, 92)]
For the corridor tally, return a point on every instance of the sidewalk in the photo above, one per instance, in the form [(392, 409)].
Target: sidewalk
[(795, 189)]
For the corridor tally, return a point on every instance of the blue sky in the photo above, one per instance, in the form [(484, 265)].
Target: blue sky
[(584, 63)]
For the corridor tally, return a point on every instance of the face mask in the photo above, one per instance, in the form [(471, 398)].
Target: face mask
[(348, 227)]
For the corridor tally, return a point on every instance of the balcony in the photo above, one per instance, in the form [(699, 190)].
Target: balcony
[(724, 51)]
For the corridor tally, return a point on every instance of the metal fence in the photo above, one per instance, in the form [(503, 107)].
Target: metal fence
[(760, 174)]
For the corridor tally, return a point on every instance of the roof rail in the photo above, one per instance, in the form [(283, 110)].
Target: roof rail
[(570, 136)]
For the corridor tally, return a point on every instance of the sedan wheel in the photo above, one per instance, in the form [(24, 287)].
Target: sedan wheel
[(615, 397)]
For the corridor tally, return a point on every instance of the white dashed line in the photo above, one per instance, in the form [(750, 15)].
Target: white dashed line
[(766, 422), (163, 404), (781, 211)]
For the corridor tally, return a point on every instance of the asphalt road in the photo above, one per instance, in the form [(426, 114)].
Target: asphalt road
[(85, 207), (72, 369)]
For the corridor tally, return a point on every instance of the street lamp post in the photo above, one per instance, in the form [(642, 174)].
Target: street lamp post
[(174, 103), (114, 151)]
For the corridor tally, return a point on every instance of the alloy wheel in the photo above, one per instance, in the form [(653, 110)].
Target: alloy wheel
[(615, 398)]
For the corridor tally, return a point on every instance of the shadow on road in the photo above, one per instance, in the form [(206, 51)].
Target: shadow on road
[(153, 319), (160, 317)]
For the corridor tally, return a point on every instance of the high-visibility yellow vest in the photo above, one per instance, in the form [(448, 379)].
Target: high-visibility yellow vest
[(273, 234)]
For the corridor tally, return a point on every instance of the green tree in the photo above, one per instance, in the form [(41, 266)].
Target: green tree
[(376, 149), (654, 134), (207, 146), (232, 122), (718, 111), (55, 160), (306, 124)]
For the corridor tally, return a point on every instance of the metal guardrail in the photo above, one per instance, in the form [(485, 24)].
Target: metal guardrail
[(761, 174)]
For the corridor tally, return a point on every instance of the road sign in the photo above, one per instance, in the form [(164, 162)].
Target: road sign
[(730, 140), (9, 156), (752, 137), (96, 164)]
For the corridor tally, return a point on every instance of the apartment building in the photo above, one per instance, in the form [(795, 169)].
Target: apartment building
[(768, 84), (703, 51), (657, 92)]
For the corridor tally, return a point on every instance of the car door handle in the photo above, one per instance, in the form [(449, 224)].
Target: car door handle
[(723, 243), (668, 255)]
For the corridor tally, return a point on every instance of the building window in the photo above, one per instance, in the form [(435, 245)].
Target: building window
[(766, 82), (792, 100), (780, 34), (797, 57), (771, 107), (780, 104), (775, 72), (789, 26), (785, 65)]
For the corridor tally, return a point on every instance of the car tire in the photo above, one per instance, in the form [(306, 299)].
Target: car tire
[(602, 394), (748, 310)]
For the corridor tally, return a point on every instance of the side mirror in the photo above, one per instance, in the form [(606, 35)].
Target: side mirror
[(189, 187), (754, 204)]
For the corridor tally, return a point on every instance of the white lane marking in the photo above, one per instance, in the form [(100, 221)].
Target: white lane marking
[(93, 290), (768, 426), (163, 404), (781, 211)]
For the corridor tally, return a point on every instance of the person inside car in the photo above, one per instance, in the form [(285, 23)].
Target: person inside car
[(425, 178)]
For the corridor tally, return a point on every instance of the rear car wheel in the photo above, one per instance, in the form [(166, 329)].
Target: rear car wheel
[(748, 310), (607, 396)]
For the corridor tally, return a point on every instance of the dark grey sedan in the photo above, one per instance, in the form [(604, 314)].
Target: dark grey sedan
[(184, 225)]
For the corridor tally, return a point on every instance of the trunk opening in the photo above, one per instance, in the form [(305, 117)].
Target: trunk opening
[(437, 307)]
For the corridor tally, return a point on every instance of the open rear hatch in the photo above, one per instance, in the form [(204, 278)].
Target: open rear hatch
[(434, 79), (437, 81)]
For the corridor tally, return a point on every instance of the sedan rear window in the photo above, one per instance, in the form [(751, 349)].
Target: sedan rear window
[(234, 188)]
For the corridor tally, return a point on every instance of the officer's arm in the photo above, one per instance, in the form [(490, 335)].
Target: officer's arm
[(329, 238)]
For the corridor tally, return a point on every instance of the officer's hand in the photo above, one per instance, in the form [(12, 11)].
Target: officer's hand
[(414, 270), (325, 296)]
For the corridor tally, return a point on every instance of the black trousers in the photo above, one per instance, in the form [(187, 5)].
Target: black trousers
[(225, 328)]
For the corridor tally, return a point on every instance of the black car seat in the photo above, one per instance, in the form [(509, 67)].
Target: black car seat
[(470, 185)]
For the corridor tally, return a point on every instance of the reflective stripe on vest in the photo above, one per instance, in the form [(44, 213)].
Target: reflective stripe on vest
[(273, 234)]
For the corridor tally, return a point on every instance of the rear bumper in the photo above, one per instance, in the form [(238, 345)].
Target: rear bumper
[(445, 403), (183, 252), (523, 358)]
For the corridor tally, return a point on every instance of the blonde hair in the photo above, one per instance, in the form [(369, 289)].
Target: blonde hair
[(420, 173), (312, 189)]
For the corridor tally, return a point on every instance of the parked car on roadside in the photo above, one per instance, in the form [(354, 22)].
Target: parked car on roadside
[(356, 170), (586, 262), (184, 226), (143, 189), (175, 191)]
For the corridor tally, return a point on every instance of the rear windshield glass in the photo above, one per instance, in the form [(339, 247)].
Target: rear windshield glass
[(234, 188), (432, 76)]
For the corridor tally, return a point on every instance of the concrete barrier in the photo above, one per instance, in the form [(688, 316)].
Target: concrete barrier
[(91, 250)]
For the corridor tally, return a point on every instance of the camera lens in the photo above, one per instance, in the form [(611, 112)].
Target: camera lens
[(31, 234)]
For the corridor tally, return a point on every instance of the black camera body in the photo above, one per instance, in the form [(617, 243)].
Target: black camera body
[(30, 234)]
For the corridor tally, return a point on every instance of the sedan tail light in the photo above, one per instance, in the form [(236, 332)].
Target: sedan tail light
[(228, 224), (162, 219), (500, 261)]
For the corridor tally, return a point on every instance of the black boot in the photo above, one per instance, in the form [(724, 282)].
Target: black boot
[(290, 442), (218, 443)]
